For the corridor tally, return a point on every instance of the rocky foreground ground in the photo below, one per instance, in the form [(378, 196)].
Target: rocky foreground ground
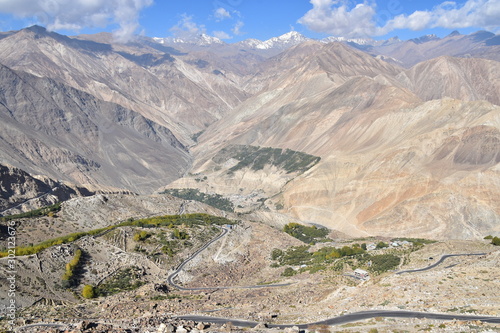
[(461, 285)]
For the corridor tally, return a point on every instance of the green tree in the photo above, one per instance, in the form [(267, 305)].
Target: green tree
[(276, 254), (140, 236), (495, 241), (88, 291), (381, 245), (289, 271)]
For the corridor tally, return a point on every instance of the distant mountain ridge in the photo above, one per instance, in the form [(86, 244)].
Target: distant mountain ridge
[(408, 52), (394, 146)]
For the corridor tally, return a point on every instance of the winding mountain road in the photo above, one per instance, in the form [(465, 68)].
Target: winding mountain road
[(171, 277), (343, 319), (348, 318), (443, 258)]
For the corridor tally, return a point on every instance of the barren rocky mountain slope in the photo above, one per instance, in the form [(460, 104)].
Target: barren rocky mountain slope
[(398, 155), (21, 191), (131, 273), (51, 129), (399, 150), (160, 86), (481, 44)]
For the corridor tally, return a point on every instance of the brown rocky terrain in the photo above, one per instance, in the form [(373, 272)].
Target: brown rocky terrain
[(157, 84), (460, 285), (321, 134), (21, 191), (51, 129), (395, 159)]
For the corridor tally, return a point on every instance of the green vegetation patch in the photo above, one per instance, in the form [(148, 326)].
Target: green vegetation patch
[(300, 255), (44, 211), (384, 262), (214, 200), (332, 257), (309, 235), (125, 279), (152, 222), (415, 241), (258, 157)]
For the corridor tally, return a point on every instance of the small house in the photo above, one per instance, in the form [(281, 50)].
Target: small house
[(361, 274)]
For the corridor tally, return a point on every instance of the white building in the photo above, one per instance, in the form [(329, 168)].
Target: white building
[(362, 274)]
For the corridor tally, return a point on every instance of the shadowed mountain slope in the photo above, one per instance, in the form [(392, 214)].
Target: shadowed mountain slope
[(51, 129)]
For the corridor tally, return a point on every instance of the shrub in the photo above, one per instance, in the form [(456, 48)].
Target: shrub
[(289, 271), (88, 291), (141, 236), (495, 241), (177, 234), (276, 254), (167, 250)]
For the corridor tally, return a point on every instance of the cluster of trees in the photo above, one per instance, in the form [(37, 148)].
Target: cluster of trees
[(329, 253), (494, 240), (318, 260), (68, 276), (32, 249), (126, 279), (214, 200), (300, 255), (188, 220), (258, 157), (309, 235), (141, 236), (384, 262), (44, 211)]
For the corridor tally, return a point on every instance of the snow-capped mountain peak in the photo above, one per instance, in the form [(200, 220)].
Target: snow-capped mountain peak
[(287, 40), (201, 40), (359, 41)]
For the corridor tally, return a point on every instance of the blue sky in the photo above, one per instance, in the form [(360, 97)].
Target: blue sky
[(235, 20)]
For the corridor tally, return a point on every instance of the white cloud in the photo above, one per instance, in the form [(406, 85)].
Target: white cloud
[(336, 18), (474, 13), (221, 35), (237, 28), (221, 14), (339, 20), (78, 14), (186, 28)]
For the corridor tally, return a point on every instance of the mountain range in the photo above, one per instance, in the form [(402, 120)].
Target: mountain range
[(365, 137)]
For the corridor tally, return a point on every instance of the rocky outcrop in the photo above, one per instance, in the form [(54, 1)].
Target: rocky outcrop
[(20, 191)]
